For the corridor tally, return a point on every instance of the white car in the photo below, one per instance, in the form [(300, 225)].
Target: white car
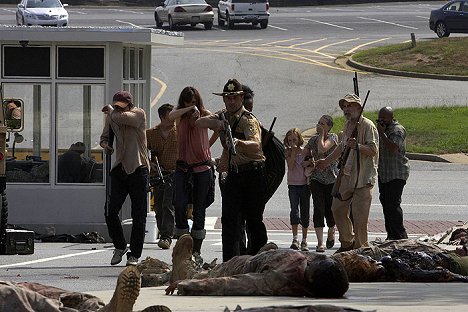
[(41, 12), (184, 12), (243, 11)]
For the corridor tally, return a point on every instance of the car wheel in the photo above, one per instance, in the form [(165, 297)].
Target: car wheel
[(220, 21), (208, 25), (229, 21), (264, 24), (157, 20), (441, 30), (171, 23)]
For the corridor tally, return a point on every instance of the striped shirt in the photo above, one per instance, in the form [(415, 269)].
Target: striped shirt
[(394, 165)]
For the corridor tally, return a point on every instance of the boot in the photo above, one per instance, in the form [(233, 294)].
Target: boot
[(126, 292), (197, 243), (182, 265)]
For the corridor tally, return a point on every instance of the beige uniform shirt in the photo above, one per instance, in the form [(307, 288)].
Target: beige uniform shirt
[(130, 138), (247, 129), (367, 134)]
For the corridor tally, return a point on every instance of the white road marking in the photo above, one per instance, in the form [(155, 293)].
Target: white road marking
[(128, 23), (128, 11), (276, 27), (160, 93), (12, 11), (423, 17), (365, 44), (385, 22), (329, 24), (51, 258), (219, 29)]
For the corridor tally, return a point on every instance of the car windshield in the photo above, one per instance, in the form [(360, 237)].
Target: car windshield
[(43, 4), (190, 2)]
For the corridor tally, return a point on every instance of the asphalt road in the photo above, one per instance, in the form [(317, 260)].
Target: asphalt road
[(291, 67)]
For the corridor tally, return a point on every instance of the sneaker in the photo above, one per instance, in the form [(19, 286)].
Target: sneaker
[(294, 244), (131, 260), (304, 246), (118, 254), (164, 243)]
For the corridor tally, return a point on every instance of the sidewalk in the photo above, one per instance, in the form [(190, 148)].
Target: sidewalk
[(382, 297)]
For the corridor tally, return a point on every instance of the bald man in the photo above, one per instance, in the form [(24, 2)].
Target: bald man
[(393, 171)]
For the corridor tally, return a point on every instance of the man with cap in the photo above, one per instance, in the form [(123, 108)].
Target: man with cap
[(393, 172), (245, 181), (129, 174), (358, 176)]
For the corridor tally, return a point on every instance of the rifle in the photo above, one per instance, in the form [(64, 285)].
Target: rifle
[(269, 134), (344, 157), (356, 84), (228, 136), (158, 170), (108, 170)]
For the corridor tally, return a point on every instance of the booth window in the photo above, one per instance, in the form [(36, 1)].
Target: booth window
[(29, 150), (80, 62), (27, 61), (79, 125)]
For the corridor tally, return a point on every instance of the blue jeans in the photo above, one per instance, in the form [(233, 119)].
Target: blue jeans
[(136, 185), (299, 199)]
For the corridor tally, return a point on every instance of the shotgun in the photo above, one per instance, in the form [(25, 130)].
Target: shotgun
[(228, 136), (344, 157)]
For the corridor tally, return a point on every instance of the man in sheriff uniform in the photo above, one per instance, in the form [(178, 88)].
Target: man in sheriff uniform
[(245, 181)]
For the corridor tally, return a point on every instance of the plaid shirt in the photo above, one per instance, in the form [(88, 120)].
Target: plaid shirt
[(394, 165), (164, 149)]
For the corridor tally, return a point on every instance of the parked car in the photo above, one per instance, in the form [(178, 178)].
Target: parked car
[(42, 12), (184, 12), (450, 18), (243, 11)]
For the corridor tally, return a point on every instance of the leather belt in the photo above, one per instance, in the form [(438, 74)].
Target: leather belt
[(251, 166)]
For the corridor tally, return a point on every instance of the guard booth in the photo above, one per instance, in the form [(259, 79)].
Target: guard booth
[(60, 79)]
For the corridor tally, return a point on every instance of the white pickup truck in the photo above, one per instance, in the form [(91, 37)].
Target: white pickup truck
[(243, 11)]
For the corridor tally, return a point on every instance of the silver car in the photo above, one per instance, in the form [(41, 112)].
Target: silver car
[(41, 12), (184, 12)]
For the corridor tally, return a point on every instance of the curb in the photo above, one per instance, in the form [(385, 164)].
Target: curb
[(357, 65)]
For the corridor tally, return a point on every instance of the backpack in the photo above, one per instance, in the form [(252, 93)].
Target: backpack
[(275, 165)]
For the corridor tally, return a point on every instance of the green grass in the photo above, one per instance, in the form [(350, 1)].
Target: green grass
[(446, 56), (432, 130)]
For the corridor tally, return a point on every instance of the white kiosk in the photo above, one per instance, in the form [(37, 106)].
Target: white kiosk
[(64, 76)]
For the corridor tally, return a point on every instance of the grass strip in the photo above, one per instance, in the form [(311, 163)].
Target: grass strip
[(447, 56), (431, 130)]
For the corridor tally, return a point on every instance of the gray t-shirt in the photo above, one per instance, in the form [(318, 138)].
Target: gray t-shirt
[(329, 174)]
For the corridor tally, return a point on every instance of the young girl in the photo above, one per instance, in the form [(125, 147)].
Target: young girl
[(319, 146), (298, 190), (193, 175)]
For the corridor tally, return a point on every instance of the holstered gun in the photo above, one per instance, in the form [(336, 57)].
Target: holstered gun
[(228, 139), (344, 158)]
